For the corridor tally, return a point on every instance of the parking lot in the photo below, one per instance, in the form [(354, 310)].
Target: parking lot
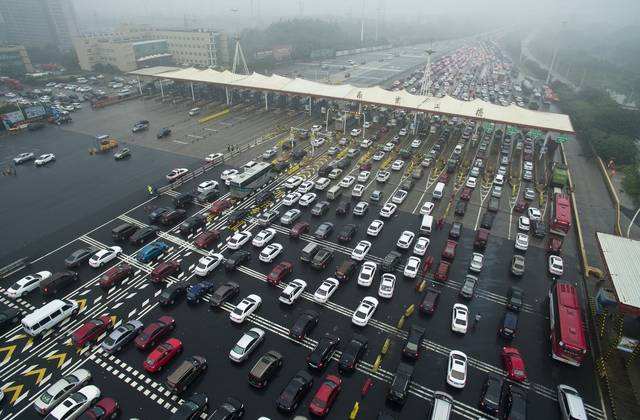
[(55, 218)]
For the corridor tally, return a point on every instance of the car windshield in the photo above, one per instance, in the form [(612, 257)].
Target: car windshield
[(78, 397), (238, 350), (46, 397), (361, 314)]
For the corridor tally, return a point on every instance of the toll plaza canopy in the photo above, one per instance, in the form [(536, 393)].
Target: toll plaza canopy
[(376, 95), (622, 259)]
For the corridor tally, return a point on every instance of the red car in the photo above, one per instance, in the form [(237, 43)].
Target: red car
[(442, 272), (115, 275), (325, 396), (365, 166), (444, 178), (91, 330), (219, 206), (521, 205), (298, 229), (554, 246), (106, 408), (162, 355), (164, 270), (207, 238), (449, 251), (279, 272), (154, 331), (514, 364), (466, 194)]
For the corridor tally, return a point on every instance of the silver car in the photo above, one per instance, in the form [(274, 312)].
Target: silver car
[(121, 336), (290, 216), (61, 390)]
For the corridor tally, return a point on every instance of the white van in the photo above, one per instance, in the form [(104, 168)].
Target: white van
[(427, 224), (334, 192), (49, 316), (442, 406), (194, 111), (438, 192)]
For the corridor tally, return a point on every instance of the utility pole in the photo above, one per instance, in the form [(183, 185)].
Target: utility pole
[(362, 25)]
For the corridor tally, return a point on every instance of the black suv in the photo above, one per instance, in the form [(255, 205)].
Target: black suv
[(294, 392), (224, 292), (144, 235), (322, 259), (412, 346), (237, 258), (320, 209), (58, 281), (186, 373), (263, 197), (182, 200), (515, 298), (356, 348), (9, 317), (173, 216), (400, 385), (346, 270), (347, 232), (391, 260), (487, 220), (490, 397), (306, 322), (192, 224), (79, 256), (343, 208), (264, 369), (172, 293), (156, 215), (321, 354)]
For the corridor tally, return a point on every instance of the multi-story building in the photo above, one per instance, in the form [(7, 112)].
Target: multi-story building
[(14, 59), (39, 23), (133, 46)]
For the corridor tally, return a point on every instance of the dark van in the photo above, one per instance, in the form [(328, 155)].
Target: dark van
[(186, 373), (309, 251), (182, 200), (123, 232), (482, 237)]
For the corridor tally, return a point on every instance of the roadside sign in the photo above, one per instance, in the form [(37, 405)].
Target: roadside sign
[(536, 134), (561, 139), (511, 130)]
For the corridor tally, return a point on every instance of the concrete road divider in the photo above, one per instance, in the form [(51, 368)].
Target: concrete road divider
[(213, 116)]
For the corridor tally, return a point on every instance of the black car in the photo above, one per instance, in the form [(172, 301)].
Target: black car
[(487, 220), (192, 224), (237, 216), (208, 196), (263, 197), (323, 230), (294, 392), (192, 408), (354, 351), (412, 346), (456, 231), (513, 402), (306, 322), (79, 256), (172, 217), (298, 155), (390, 261), (343, 208), (182, 200), (264, 369), (223, 293), (155, 215), (58, 281), (322, 258), (35, 126), (509, 325), (490, 397), (539, 228), (9, 317), (346, 270), (430, 300), (164, 132), (320, 208), (230, 409), (461, 208), (144, 235), (172, 293), (347, 232), (398, 390), (515, 297), (281, 166), (237, 258), (321, 354)]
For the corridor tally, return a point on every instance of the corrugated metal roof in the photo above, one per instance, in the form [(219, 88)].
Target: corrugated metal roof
[(622, 257)]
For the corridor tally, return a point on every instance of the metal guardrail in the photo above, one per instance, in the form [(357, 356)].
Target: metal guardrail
[(9, 269)]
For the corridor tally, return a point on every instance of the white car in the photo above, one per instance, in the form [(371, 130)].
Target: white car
[(383, 176), (388, 210), (245, 308), (103, 256), (293, 182), (214, 157), (406, 239), (387, 286), (357, 191), (416, 143), (412, 267), (361, 208), (322, 183), (421, 246), (307, 199), (347, 181), (364, 176), (227, 174), (291, 198), (246, 344), (292, 291), (375, 227), (427, 208), (522, 241), (377, 156), (397, 165), (208, 264), (206, 186), (325, 290), (477, 262), (76, 403), (527, 166), (270, 252), (366, 143), (174, 174), (364, 311), (499, 179), (399, 196), (534, 214), (356, 132), (402, 132), (315, 128), (27, 284), (524, 224), (46, 158), (317, 142), (556, 265), (459, 318), (306, 186), (367, 273), (361, 250), (457, 369), (290, 216), (388, 147), (23, 157), (335, 173), (263, 237), (238, 239), (471, 182)]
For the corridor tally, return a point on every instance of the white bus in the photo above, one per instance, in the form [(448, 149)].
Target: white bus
[(49, 316)]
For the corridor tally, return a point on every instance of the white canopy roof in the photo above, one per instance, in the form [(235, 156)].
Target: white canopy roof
[(622, 257), (477, 108)]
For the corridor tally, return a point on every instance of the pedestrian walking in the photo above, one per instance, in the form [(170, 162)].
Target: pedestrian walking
[(477, 320)]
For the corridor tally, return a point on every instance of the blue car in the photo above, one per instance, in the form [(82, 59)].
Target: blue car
[(196, 291), (151, 251)]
